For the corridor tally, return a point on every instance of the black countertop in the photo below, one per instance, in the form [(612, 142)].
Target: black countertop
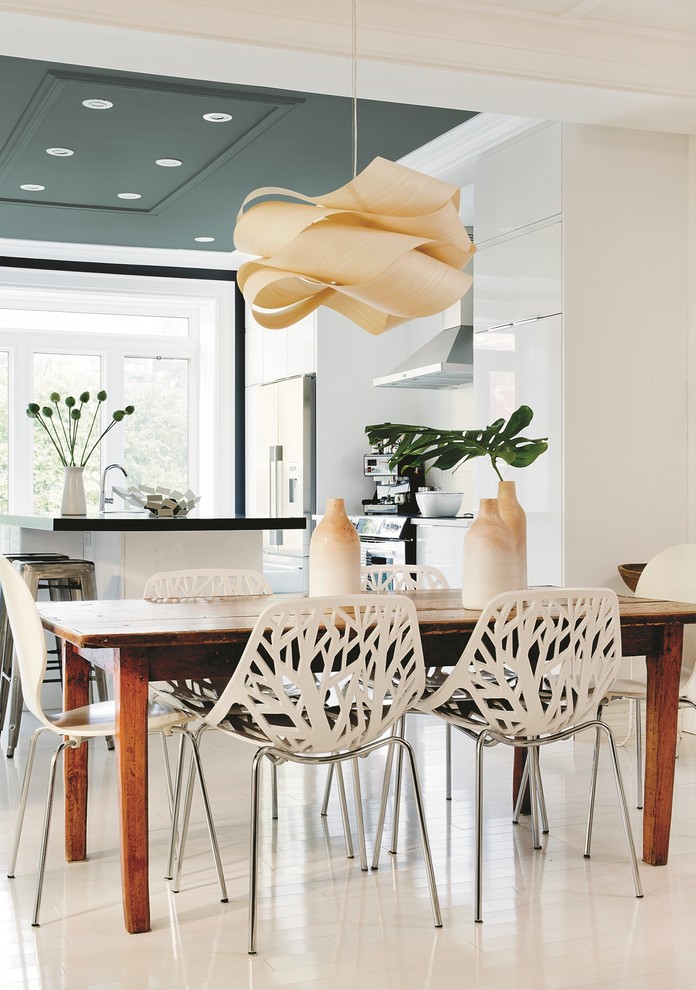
[(144, 522)]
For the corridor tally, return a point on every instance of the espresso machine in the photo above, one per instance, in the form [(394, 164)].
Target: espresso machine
[(395, 490)]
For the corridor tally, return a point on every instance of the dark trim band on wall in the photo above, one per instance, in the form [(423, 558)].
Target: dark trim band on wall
[(153, 271), (163, 271)]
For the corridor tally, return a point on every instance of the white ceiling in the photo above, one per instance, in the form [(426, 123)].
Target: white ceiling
[(620, 62)]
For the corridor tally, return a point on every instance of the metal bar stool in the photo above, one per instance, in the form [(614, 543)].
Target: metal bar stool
[(5, 640), (65, 580)]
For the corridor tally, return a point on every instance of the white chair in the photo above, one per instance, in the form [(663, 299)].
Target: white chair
[(208, 582), (533, 672), (321, 680), (669, 576), (199, 695), (394, 578), (402, 577), (72, 727)]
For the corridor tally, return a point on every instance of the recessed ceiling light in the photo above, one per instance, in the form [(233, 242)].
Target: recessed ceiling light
[(32, 187), (217, 118), (168, 162), (204, 240), (60, 152), (97, 104), (129, 196)]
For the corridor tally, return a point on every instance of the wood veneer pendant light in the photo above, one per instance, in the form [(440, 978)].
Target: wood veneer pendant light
[(386, 248)]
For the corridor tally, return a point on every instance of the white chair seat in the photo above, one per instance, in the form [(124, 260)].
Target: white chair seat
[(100, 719), (668, 576)]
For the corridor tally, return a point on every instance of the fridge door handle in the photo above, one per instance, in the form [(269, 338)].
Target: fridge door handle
[(275, 481)]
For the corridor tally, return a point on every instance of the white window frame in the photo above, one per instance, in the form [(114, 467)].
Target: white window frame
[(209, 306)]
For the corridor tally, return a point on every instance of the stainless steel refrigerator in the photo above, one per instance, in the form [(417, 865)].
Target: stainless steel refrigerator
[(281, 473)]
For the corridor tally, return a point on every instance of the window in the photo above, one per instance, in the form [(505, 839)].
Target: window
[(163, 345)]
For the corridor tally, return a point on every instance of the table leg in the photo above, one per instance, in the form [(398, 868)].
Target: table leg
[(75, 695), (130, 694), (661, 713)]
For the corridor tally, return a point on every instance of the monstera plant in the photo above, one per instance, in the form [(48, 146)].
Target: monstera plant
[(447, 449)]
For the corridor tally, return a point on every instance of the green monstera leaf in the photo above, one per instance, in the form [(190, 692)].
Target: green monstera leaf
[(447, 449)]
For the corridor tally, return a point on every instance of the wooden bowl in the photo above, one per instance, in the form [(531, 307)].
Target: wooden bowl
[(630, 573)]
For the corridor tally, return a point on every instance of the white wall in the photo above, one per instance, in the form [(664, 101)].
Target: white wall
[(626, 347), (348, 359)]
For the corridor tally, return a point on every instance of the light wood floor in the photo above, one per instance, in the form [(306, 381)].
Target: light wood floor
[(551, 918)]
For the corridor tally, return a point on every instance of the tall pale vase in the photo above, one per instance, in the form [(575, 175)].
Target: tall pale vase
[(515, 519), (73, 502), (334, 553), (490, 565)]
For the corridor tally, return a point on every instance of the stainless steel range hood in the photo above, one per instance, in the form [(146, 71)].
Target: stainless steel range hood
[(446, 361)]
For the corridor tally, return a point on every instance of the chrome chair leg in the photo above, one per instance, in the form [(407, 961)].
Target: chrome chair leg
[(425, 842), (359, 816), (386, 780), (274, 791), (524, 780), (175, 809), (196, 768), (327, 791), (639, 754), (539, 789), (23, 799), (593, 789), (69, 744), (623, 807), (533, 799), (254, 849), (478, 815), (400, 731), (344, 808), (448, 762)]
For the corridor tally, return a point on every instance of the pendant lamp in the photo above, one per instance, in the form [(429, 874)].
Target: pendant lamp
[(387, 247)]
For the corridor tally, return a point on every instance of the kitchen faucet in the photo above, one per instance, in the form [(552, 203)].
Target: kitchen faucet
[(103, 500)]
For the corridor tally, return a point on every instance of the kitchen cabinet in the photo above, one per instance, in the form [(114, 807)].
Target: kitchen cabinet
[(518, 184), (440, 543), (608, 378), (272, 355), (518, 278)]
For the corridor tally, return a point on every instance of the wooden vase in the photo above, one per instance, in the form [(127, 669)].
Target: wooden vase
[(515, 519), (334, 553), (490, 565)]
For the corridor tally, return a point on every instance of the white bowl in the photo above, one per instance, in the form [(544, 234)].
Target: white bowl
[(439, 503)]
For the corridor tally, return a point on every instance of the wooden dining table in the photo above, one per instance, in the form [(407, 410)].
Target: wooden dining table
[(140, 641)]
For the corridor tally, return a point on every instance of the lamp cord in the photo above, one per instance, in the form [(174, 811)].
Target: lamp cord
[(355, 88)]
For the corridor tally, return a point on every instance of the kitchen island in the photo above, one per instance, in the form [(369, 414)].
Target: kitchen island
[(127, 547)]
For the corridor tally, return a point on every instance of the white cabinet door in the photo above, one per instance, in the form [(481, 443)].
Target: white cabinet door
[(494, 285), (443, 547), (519, 278), (494, 194), (538, 176), (519, 184), (538, 271)]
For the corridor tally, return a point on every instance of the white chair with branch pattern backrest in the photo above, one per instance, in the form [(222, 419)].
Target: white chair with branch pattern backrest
[(534, 671), (309, 666)]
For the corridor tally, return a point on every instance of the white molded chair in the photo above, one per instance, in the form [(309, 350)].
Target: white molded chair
[(198, 696), (395, 578), (322, 680), (533, 672), (402, 577), (72, 727), (669, 576), (208, 582)]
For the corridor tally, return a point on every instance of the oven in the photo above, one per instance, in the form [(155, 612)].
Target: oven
[(385, 539)]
